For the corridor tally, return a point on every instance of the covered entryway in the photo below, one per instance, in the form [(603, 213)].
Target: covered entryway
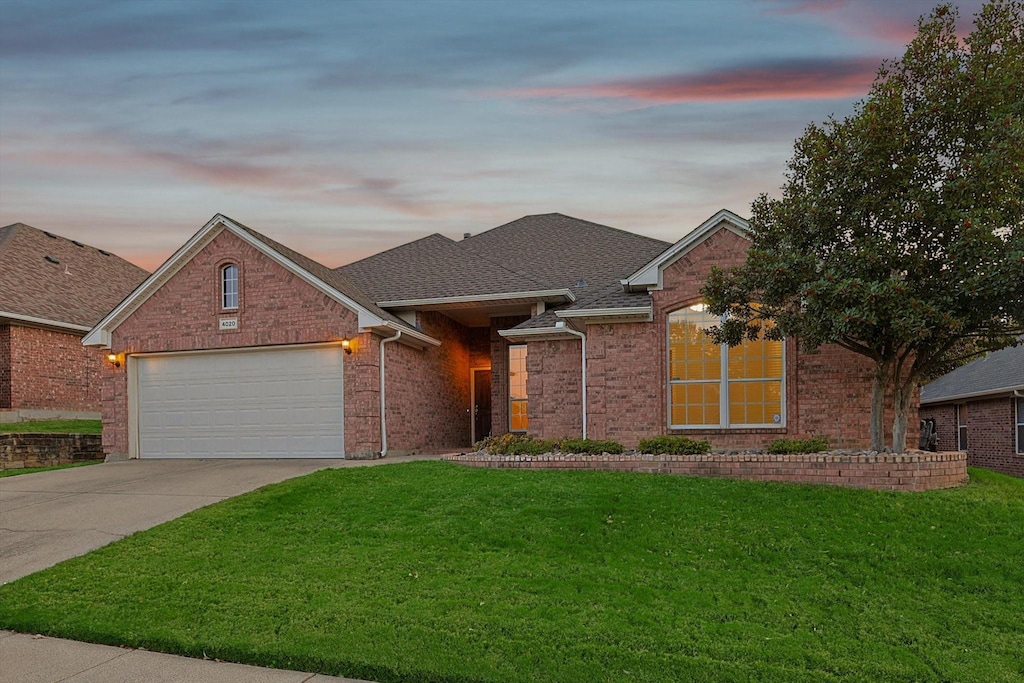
[(276, 402)]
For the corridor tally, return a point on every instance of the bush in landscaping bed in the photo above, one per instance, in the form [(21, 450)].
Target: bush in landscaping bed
[(814, 444), (673, 445), (589, 446), (515, 444)]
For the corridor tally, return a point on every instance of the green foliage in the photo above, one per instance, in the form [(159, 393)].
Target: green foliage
[(522, 444), (673, 445), (515, 444), (430, 571), (589, 446), (813, 444), (52, 427), (900, 231)]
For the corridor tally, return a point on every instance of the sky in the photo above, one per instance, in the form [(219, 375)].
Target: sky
[(345, 128)]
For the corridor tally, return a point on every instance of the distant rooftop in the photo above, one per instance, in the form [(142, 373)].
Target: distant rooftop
[(998, 372)]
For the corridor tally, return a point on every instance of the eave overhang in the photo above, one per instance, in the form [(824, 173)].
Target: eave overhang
[(536, 334), (1012, 390), (6, 316), (623, 314)]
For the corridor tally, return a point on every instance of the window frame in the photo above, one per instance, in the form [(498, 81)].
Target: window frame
[(723, 383), (512, 400), (224, 287), (963, 439)]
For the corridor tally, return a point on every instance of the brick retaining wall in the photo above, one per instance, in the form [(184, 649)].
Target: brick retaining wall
[(911, 472), (45, 450)]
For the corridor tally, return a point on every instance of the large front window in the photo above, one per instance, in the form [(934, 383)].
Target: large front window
[(517, 388), (715, 386)]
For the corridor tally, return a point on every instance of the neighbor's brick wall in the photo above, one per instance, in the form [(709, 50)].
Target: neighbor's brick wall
[(275, 307), (48, 370), (427, 392), (5, 367), (554, 388), (499, 372), (945, 424), (916, 472)]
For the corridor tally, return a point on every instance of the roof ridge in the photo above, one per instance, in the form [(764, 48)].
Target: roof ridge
[(573, 218), (397, 246)]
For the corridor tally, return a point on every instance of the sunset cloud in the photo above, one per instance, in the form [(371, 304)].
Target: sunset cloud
[(795, 80)]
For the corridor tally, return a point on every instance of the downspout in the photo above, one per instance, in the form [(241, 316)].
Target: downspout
[(383, 417), (583, 338)]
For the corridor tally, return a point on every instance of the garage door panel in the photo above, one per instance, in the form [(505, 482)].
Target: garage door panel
[(254, 404)]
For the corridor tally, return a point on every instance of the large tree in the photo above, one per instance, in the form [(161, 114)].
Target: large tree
[(899, 234)]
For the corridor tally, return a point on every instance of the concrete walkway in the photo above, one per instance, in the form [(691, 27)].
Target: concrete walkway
[(49, 517), (37, 659)]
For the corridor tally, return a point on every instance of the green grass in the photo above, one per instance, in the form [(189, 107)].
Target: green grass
[(429, 571), (52, 427), (33, 470)]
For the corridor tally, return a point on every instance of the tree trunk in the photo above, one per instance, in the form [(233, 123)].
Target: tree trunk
[(902, 394), (878, 407)]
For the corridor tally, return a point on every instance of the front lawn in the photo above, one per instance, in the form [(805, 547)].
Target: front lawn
[(52, 427), (429, 571)]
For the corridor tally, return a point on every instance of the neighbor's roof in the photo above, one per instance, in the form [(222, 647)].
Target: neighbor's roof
[(45, 278), (998, 372), (433, 267)]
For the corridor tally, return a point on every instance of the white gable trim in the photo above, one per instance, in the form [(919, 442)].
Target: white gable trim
[(649, 276), (100, 335)]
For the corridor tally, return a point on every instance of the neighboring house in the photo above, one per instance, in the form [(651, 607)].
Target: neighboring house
[(52, 291), (549, 325), (979, 408)]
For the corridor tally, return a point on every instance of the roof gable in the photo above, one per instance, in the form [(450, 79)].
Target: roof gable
[(649, 276), (321, 277), (49, 280)]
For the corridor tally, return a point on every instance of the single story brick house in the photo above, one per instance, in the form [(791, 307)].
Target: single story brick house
[(52, 291), (979, 408), (549, 325)]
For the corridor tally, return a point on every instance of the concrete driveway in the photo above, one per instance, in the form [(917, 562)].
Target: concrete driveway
[(48, 517)]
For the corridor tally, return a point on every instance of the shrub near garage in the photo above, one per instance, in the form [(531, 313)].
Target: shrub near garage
[(521, 444)]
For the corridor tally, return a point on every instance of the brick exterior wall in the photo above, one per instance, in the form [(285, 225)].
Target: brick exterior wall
[(916, 472), (5, 367), (427, 392), (554, 388), (828, 392), (48, 370), (275, 308), (991, 437)]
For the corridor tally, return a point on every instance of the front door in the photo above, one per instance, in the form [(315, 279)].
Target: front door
[(481, 404)]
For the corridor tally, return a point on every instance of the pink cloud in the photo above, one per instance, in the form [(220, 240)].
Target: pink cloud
[(804, 80)]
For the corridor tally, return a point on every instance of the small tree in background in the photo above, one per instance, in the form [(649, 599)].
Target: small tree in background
[(900, 231)]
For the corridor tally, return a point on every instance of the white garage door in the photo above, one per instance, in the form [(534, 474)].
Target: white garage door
[(268, 403)]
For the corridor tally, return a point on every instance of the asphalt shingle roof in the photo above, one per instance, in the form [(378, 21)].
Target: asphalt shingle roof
[(997, 372), (434, 267), (77, 285)]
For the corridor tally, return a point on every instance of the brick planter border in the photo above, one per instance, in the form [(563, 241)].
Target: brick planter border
[(908, 472), (46, 450)]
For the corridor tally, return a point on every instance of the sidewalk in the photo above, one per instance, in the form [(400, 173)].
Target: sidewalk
[(38, 659)]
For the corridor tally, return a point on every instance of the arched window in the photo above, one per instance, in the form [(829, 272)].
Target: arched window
[(714, 386), (229, 286)]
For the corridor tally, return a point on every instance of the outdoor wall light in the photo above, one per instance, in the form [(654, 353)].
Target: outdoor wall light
[(347, 345), (114, 359)]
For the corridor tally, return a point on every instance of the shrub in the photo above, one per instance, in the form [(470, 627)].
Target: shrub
[(515, 444), (812, 444), (673, 445), (589, 446)]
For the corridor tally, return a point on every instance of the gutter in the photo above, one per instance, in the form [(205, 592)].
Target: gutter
[(383, 415), (583, 354), (42, 322)]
